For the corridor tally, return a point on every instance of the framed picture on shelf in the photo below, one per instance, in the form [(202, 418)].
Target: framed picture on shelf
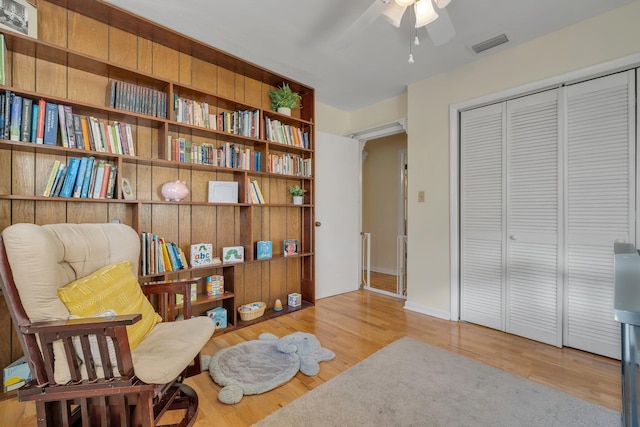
[(127, 190), (232, 254), (19, 16), (223, 192), (290, 247)]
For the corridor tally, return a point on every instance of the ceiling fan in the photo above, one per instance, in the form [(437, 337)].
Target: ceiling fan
[(430, 14)]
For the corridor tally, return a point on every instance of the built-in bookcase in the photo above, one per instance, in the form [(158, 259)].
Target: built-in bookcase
[(82, 47)]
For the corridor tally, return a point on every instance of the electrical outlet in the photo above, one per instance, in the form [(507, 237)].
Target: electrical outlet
[(420, 196)]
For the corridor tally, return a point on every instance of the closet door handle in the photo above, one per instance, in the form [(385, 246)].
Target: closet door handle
[(513, 237)]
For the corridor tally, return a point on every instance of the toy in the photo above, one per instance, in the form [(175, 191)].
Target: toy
[(174, 191), (278, 305), (253, 367)]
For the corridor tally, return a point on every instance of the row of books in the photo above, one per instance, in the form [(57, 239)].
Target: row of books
[(289, 164), (85, 178), (275, 131), (41, 122), (227, 155), (160, 256), (139, 99), (202, 114), (255, 194)]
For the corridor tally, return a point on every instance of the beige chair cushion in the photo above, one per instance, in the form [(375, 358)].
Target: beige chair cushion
[(169, 348)]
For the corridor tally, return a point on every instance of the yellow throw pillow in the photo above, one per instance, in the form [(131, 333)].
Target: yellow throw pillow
[(113, 287)]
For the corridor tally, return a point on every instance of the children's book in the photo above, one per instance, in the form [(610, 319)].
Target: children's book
[(264, 249), (290, 247), (201, 254)]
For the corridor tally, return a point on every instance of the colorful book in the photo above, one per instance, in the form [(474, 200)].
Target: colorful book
[(290, 247), (68, 120), (50, 136), (201, 254), (82, 169), (42, 113), (111, 184), (25, 120), (8, 103), (70, 178), (105, 181), (35, 109), (77, 131), (94, 177), (84, 193), (57, 184), (63, 126), (52, 178), (16, 116), (86, 134), (264, 249)]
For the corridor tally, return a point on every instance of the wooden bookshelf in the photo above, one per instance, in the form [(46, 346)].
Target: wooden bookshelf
[(82, 46)]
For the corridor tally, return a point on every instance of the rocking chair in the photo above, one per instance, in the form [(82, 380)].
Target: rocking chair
[(123, 369)]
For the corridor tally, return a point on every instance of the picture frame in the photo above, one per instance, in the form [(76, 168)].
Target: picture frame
[(223, 192), (19, 16), (127, 190), (290, 247)]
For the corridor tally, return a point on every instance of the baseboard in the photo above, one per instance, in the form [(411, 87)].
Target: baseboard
[(384, 270), (429, 311)]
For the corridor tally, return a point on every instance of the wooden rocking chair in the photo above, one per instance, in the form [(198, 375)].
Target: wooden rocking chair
[(84, 370)]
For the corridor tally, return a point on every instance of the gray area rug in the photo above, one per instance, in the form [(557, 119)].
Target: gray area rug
[(410, 383)]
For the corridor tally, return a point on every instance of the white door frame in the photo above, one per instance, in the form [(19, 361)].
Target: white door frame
[(364, 136), (598, 70)]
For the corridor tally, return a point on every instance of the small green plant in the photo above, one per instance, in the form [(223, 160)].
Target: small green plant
[(284, 97), (296, 190)]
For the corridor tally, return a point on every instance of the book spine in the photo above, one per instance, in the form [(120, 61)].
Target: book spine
[(8, 103), (50, 136), (94, 175), (68, 120), (98, 181), (86, 134), (57, 185), (70, 179), (42, 113), (63, 126), (25, 120), (77, 130), (84, 193), (105, 181), (35, 112), (82, 169), (52, 178), (111, 184), (16, 115)]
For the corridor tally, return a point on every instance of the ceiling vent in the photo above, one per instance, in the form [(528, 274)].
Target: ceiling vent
[(489, 44)]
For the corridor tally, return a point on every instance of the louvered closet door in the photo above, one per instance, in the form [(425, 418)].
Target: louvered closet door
[(481, 219), (533, 291), (600, 206)]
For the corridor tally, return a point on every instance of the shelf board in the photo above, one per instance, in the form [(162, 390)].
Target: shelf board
[(205, 299), (271, 314)]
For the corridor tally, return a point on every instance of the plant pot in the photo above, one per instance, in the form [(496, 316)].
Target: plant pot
[(284, 110), (298, 200)]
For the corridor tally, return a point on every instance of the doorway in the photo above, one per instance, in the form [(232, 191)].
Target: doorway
[(384, 218)]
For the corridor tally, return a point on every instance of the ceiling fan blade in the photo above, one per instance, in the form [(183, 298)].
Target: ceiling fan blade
[(441, 30), (361, 23)]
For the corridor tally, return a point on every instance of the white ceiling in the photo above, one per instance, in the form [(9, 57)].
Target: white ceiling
[(301, 38)]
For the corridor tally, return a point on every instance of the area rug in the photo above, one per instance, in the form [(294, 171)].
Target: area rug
[(257, 366), (410, 383)]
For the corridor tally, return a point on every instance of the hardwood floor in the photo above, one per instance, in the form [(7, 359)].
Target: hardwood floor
[(384, 282), (357, 324)]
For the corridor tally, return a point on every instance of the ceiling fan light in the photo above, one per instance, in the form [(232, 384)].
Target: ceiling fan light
[(403, 3), (441, 4), (425, 13), (393, 13)]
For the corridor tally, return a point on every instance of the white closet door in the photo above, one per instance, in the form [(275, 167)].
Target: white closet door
[(482, 212), (600, 206), (534, 299)]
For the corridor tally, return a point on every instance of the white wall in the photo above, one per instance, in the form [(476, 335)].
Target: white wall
[(603, 38)]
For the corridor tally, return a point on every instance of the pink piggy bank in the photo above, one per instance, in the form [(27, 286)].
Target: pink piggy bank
[(174, 190)]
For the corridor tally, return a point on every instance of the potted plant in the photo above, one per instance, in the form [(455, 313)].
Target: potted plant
[(284, 99), (298, 194)]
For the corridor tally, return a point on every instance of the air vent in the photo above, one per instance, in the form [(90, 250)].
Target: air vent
[(489, 44)]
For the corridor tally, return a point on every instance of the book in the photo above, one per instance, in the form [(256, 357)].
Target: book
[(201, 254), (16, 118), (84, 193), (3, 57), (63, 126), (232, 254), (77, 131), (86, 134), (70, 178), (57, 183), (290, 247), (35, 111), (68, 121), (259, 195), (94, 175), (105, 181), (52, 178), (50, 136), (98, 180), (215, 285), (112, 181), (264, 249), (42, 112), (82, 169), (25, 120), (8, 102)]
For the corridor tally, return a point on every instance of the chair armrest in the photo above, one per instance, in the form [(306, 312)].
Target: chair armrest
[(101, 328), (167, 290)]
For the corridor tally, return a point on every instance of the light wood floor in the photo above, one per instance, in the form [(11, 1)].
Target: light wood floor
[(357, 324), (384, 282)]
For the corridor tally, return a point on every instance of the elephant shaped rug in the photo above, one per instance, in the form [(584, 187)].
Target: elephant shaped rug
[(257, 366)]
